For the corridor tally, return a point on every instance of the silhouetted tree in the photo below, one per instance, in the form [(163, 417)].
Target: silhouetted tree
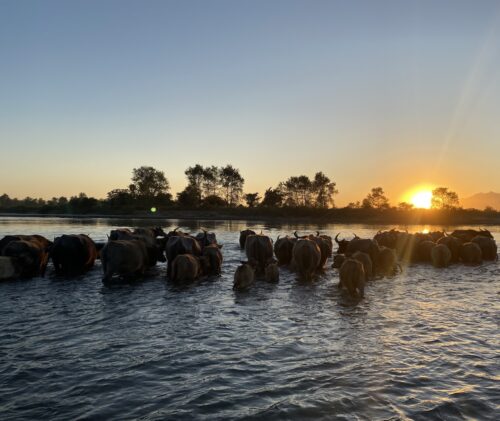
[(120, 198), (298, 191), (376, 199), (211, 181), (273, 198), (213, 201), (442, 198), (149, 183), (231, 184), (252, 199), (405, 206), (189, 197), (195, 176), (324, 189)]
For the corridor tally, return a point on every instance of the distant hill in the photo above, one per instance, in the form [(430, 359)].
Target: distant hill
[(481, 200)]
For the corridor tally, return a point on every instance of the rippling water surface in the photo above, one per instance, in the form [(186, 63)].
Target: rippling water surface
[(422, 345)]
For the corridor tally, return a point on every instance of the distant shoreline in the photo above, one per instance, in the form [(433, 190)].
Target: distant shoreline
[(283, 216)]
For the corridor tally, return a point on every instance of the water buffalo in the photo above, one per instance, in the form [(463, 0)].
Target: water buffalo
[(148, 236), (366, 261), (283, 248), (127, 258), (325, 246), (367, 246), (186, 268), (243, 237), (488, 247), (180, 244), (423, 251), (453, 245), (73, 254), (387, 262), (352, 277), (471, 254), (387, 238), (7, 268), (206, 238), (306, 257), (328, 241), (342, 244), (214, 258), (259, 251), (29, 256), (441, 256), (467, 235), (244, 276), (39, 239), (271, 273), (338, 259)]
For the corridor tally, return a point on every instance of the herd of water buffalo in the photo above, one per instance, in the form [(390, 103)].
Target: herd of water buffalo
[(129, 254)]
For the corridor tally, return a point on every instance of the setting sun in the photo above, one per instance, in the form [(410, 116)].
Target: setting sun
[(422, 199)]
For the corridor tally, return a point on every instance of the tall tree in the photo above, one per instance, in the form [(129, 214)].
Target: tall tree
[(210, 183), (298, 191), (149, 183), (376, 199), (252, 199), (442, 198), (231, 184), (273, 198), (324, 189), (195, 176)]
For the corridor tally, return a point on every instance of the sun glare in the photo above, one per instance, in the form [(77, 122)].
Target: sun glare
[(422, 199)]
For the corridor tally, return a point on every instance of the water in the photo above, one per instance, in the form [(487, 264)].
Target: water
[(422, 345)]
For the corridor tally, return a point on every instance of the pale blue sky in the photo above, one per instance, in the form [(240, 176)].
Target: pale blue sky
[(391, 93)]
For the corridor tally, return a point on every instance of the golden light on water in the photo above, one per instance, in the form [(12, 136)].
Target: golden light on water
[(422, 199)]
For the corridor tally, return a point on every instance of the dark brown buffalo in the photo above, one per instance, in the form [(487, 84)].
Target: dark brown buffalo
[(7, 268), (186, 268), (29, 256), (338, 259), (283, 248), (73, 254), (148, 236), (453, 245), (387, 238), (259, 251), (365, 245), (323, 243), (342, 244), (441, 256), (244, 276), (40, 240), (423, 251), (306, 257), (471, 254), (467, 235), (214, 259), (125, 258), (180, 244), (488, 247), (352, 277), (243, 237), (272, 273), (367, 263), (387, 262), (206, 238)]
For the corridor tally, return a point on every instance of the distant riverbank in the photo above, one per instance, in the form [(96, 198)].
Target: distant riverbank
[(302, 215)]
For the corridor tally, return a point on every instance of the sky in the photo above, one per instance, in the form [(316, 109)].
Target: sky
[(398, 94)]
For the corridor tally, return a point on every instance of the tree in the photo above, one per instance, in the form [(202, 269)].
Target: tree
[(405, 206), (273, 198), (442, 198), (354, 205), (189, 197), (149, 183), (252, 199), (324, 190), (214, 201), (120, 197), (376, 199), (232, 184), (195, 176), (298, 191), (210, 183)]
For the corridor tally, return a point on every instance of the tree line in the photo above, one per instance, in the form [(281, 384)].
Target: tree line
[(212, 187)]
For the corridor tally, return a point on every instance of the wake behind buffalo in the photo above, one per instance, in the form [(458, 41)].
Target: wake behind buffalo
[(130, 254)]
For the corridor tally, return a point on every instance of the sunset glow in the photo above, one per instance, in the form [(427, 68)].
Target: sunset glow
[(422, 199)]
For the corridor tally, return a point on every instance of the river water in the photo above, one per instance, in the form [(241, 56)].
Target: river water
[(421, 345)]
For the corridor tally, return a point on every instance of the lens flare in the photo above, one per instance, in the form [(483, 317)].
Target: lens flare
[(422, 199)]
